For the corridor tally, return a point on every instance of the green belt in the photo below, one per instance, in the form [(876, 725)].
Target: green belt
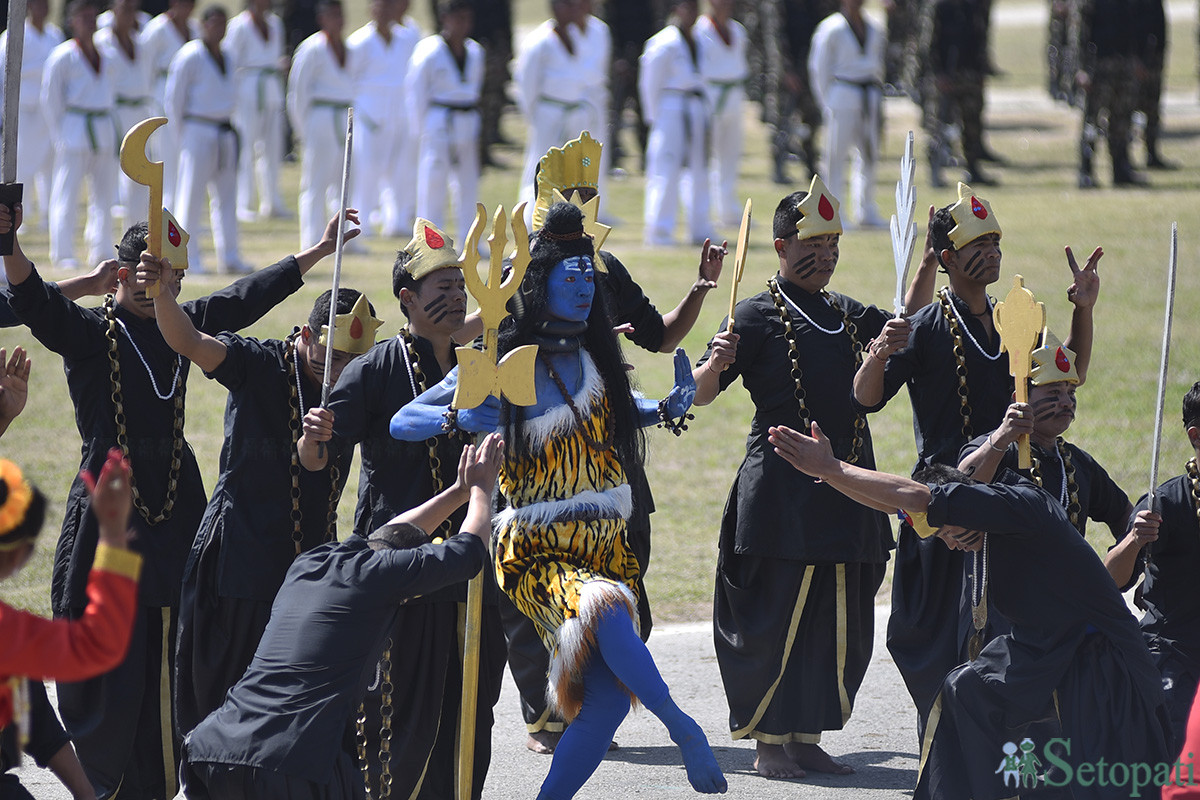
[(563, 104), (90, 116), (336, 105), (264, 73), (131, 102), (723, 90)]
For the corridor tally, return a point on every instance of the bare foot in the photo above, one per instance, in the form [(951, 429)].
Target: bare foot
[(774, 762), (543, 742), (813, 758)]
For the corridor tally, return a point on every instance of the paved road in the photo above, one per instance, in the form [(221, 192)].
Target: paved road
[(879, 741)]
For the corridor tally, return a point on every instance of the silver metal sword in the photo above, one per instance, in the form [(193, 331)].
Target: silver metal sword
[(337, 258), (10, 190), (1172, 263)]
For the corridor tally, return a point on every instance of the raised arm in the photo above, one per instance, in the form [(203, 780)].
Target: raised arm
[(985, 461), (677, 402), (425, 416), (1083, 293), (205, 351), (477, 471), (920, 288), (679, 320), (14, 385), (1122, 559)]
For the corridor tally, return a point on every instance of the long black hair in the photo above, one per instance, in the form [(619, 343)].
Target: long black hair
[(599, 339)]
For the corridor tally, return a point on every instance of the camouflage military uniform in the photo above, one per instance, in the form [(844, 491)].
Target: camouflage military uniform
[(952, 82), (1060, 73), (1152, 48), (899, 67), (631, 23), (1104, 38), (493, 30), (781, 30)]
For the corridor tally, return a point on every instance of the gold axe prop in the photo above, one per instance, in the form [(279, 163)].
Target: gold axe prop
[(480, 375), (140, 169), (1019, 319), (739, 259)]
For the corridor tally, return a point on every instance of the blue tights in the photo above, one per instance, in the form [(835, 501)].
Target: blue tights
[(622, 658)]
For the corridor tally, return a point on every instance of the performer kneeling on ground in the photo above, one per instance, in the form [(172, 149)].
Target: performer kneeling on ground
[(1075, 652), (275, 737), (560, 553)]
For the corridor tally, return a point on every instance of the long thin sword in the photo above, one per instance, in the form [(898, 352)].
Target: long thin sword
[(904, 224), (11, 191), (1172, 264), (337, 258)]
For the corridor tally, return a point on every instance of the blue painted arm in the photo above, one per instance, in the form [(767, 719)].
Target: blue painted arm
[(423, 417), (678, 400)]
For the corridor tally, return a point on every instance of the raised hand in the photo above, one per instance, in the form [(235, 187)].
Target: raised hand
[(10, 220), (1085, 284), (1017, 422), (484, 464), (112, 498), (150, 270), (893, 337), (14, 384), (712, 259), (680, 398), (329, 239), (1145, 528), (723, 350)]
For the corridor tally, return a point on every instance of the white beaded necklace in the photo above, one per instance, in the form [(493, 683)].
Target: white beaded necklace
[(963, 327), (154, 383), (841, 326)]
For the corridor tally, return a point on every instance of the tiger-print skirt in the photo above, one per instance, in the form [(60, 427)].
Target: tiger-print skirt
[(560, 549)]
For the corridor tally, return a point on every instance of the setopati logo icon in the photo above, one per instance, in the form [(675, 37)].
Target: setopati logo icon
[(1020, 767)]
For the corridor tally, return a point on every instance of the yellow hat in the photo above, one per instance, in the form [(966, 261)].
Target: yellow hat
[(973, 218), (174, 241), (917, 520), (353, 332), (575, 165), (820, 210), (1052, 362), (430, 250)]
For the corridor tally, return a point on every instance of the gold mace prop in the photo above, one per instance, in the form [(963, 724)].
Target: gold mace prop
[(482, 374), (1019, 319), (140, 169), (739, 259)]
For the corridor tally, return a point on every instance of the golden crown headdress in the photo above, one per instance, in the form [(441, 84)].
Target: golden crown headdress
[(353, 332), (820, 210), (1052, 362), (429, 250), (575, 165), (973, 218)]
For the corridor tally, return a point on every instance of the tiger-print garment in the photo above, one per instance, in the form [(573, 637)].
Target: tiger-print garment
[(564, 530)]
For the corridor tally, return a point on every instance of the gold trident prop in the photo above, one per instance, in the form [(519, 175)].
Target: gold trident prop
[(1019, 320), (481, 375), (140, 169)]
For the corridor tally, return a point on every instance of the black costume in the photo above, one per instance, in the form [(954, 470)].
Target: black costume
[(1098, 496), (46, 738), (121, 731), (799, 563), (277, 735), (929, 625), (528, 659), (1074, 654), (425, 667), (1171, 624), (247, 538)]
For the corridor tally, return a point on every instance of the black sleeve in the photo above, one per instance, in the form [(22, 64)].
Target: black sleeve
[(245, 301), (8, 319), (1000, 508), (750, 325), (243, 357), (1108, 501), (900, 367), (1139, 564), (59, 324), (630, 305), (425, 569), (348, 402)]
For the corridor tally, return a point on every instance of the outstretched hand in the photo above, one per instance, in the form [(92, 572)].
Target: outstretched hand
[(14, 383), (112, 498), (680, 398), (483, 465), (329, 238), (712, 259), (812, 455), (1085, 286)]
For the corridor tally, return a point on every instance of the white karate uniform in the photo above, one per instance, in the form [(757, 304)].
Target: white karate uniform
[(443, 108), (35, 148), (319, 92), (385, 158), (78, 104), (725, 71), (133, 95), (160, 41), (258, 110), (597, 56), (553, 95), (201, 97), (847, 81), (675, 107), (106, 19)]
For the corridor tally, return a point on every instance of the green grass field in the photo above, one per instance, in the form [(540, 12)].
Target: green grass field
[(1037, 205)]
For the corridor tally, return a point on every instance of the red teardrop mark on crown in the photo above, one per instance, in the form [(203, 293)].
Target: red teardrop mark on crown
[(825, 208), (356, 329), (173, 234), (1061, 361), (977, 208), (433, 238)]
